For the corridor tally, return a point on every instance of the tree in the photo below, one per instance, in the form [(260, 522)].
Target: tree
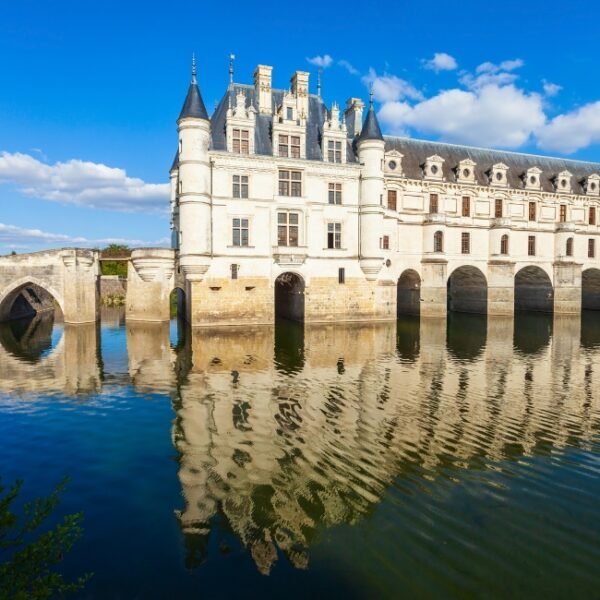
[(28, 553), (121, 254)]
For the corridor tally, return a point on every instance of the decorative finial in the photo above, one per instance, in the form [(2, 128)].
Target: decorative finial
[(193, 68), (319, 71), (371, 96), (231, 59)]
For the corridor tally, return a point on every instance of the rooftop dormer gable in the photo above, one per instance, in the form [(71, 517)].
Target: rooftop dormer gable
[(562, 182), (465, 171), (432, 168), (498, 175), (393, 162), (532, 179), (591, 184)]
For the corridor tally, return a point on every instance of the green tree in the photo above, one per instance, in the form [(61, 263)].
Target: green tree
[(30, 550), (121, 254)]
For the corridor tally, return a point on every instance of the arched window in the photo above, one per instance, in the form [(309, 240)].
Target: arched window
[(504, 244), (570, 247), (438, 241)]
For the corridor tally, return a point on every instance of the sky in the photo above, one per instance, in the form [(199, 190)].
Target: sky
[(90, 91)]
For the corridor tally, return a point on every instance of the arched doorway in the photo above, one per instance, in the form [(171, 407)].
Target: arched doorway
[(289, 297), (28, 300), (177, 303), (467, 291), (409, 293), (590, 289), (533, 290)]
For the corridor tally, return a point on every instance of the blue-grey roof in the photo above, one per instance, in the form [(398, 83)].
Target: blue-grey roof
[(175, 162), (370, 130), (317, 114), (417, 151), (194, 105)]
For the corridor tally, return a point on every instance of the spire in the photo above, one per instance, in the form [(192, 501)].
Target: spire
[(370, 129), (319, 71), (193, 107), (231, 59)]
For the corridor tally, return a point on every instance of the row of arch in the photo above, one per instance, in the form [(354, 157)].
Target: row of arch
[(468, 291)]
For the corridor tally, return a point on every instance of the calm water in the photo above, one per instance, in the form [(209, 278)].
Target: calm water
[(350, 461)]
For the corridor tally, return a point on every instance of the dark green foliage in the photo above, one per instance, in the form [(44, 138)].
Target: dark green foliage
[(114, 268), (29, 551), (121, 254)]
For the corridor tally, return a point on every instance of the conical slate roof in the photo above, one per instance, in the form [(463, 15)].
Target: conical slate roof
[(370, 130), (193, 107)]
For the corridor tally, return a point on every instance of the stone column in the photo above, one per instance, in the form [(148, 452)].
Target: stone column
[(150, 281), (567, 287), (433, 287), (501, 288)]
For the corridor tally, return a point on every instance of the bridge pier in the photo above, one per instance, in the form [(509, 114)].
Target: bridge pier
[(501, 288), (150, 281), (434, 291), (567, 288)]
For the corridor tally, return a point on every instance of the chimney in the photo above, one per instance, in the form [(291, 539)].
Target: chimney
[(353, 114), (299, 83), (262, 89)]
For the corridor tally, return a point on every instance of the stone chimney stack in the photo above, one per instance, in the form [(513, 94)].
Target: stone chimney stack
[(262, 87), (354, 114), (299, 83)]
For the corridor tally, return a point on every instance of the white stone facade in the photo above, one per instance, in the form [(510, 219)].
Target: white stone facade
[(303, 193)]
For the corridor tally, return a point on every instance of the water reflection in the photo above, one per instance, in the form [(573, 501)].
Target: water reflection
[(283, 432)]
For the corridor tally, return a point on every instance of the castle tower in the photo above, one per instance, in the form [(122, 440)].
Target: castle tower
[(193, 127), (371, 151)]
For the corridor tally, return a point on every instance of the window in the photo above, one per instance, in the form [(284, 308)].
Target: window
[(334, 235), (592, 215), (241, 144), (466, 206), (240, 232), (465, 243), (234, 271), (591, 248), (240, 186), (180, 186), (289, 113), (392, 196), (290, 183), (563, 213), (341, 275), (433, 203), (438, 241), (335, 193), (334, 151), (570, 247), (504, 244), (532, 211), (287, 228), (498, 209), (384, 242), (289, 146), (531, 245)]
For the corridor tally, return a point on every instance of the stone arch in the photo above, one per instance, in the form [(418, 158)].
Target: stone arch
[(408, 293), (289, 296), (533, 290), (590, 289), (177, 303), (28, 296), (467, 290)]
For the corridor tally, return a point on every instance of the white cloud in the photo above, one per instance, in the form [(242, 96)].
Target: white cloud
[(14, 237), (389, 88), (349, 67), (572, 131), (492, 116), (441, 62), (551, 89), (321, 61), (82, 183)]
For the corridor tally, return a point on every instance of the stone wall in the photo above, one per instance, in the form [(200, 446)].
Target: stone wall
[(112, 287)]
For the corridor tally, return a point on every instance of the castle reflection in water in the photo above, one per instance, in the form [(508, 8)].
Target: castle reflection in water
[(284, 431)]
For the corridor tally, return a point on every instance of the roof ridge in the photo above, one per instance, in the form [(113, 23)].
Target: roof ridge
[(575, 160)]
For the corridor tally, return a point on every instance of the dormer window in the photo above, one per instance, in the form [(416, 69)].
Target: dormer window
[(531, 179), (498, 175), (393, 162), (592, 185), (334, 151), (562, 182), (432, 169), (289, 113), (241, 141), (289, 146), (465, 171)]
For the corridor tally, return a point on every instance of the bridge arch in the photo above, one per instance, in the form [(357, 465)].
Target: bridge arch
[(27, 291), (590, 289), (533, 290), (467, 290), (289, 296), (408, 296)]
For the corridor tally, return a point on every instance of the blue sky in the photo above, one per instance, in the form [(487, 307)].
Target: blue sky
[(89, 92)]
